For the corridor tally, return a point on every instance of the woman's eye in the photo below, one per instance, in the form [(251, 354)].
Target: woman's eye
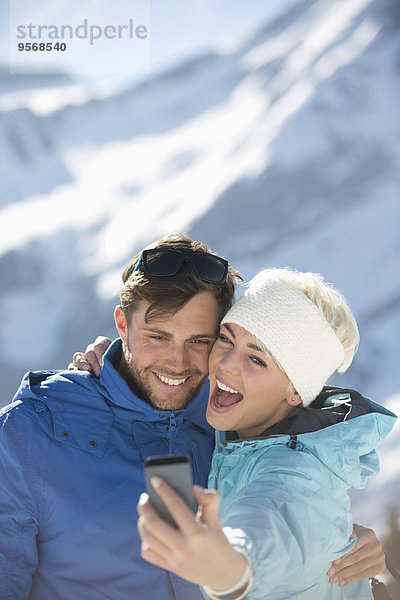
[(258, 361), (224, 339)]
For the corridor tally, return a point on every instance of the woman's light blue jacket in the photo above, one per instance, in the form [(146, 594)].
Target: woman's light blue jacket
[(284, 494)]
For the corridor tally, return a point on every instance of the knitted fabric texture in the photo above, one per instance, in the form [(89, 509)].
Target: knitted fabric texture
[(293, 330)]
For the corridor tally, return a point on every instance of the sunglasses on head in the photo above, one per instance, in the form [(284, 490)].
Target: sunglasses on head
[(162, 262)]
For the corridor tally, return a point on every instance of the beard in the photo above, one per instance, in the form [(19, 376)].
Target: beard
[(139, 381)]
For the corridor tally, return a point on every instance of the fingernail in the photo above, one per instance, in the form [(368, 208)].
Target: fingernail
[(331, 572), (97, 372), (143, 498), (156, 482), (343, 582), (337, 561), (334, 579)]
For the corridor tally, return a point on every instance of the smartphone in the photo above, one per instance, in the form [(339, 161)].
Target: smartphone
[(176, 469)]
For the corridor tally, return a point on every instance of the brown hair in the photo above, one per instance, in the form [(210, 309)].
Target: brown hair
[(169, 294)]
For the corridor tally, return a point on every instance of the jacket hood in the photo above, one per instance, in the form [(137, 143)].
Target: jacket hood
[(70, 394), (77, 409), (341, 427)]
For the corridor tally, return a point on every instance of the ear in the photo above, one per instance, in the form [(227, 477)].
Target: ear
[(293, 399), (120, 322)]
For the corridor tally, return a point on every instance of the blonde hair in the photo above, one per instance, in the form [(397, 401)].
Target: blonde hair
[(330, 302)]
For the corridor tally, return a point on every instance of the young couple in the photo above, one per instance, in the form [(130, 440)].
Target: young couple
[(72, 445), (292, 451)]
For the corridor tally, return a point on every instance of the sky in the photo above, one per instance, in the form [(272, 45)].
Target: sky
[(177, 30)]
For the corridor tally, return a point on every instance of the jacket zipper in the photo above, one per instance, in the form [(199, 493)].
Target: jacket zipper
[(171, 587)]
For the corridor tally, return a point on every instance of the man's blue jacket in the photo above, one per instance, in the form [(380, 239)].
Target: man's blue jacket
[(71, 472)]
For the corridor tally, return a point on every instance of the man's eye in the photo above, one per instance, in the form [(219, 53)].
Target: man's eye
[(157, 337)]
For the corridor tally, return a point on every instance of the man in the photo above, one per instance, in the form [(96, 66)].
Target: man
[(72, 446)]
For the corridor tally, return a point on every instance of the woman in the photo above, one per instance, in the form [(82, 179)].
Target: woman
[(283, 468)]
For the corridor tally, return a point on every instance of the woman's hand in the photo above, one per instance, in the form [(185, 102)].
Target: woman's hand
[(367, 559), (198, 551), (92, 358)]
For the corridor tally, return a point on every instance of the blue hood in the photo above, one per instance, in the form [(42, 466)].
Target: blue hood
[(341, 427), (67, 393)]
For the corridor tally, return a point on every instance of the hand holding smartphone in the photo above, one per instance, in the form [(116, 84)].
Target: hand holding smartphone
[(176, 470)]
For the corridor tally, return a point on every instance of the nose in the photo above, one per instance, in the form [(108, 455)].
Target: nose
[(177, 359), (230, 362)]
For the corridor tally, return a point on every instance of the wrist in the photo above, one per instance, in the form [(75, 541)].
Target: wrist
[(239, 589), (230, 571)]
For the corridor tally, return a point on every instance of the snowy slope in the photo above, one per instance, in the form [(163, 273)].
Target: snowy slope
[(284, 151)]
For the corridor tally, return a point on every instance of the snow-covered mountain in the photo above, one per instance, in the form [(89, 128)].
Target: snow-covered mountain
[(283, 151)]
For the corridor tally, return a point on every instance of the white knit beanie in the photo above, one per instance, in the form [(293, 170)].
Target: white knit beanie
[(293, 330)]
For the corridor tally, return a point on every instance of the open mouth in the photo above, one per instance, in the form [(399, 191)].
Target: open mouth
[(170, 381), (224, 397)]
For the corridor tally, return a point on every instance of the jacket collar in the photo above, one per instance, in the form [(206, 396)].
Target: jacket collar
[(333, 405), (342, 429), (83, 408), (119, 394)]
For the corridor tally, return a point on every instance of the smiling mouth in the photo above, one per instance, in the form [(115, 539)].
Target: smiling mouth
[(224, 396), (171, 381)]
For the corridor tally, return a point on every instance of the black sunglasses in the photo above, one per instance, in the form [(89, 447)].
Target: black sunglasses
[(162, 262)]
